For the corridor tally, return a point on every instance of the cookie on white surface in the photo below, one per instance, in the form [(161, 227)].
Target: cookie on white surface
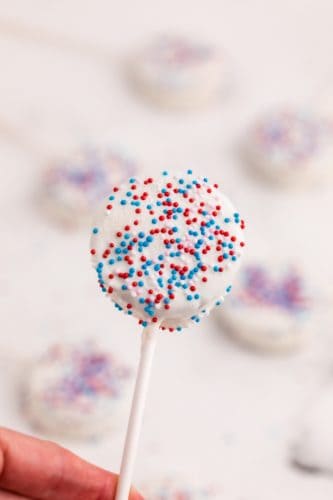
[(291, 146), (72, 187), (177, 72), (77, 391), (174, 490), (269, 309), (313, 447)]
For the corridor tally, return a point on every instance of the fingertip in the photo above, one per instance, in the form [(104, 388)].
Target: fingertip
[(135, 495)]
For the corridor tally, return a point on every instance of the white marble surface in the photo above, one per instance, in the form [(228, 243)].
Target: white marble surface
[(215, 412)]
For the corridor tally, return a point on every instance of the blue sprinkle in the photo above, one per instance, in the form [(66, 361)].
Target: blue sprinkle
[(95, 230)]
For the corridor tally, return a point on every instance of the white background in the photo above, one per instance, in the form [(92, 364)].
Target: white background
[(215, 413)]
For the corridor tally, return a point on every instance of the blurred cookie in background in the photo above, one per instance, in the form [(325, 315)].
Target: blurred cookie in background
[(178, 72), (291, 147), (270, 308), (171, 489), (312, 449), (72, 187), (76, 391)]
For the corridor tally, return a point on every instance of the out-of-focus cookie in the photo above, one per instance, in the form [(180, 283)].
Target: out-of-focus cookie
[(178, 72), (77, 391), (291, 147), (72, 187), (269, 309)]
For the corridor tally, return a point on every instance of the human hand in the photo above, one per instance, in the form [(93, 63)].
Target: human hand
[(33, 469)]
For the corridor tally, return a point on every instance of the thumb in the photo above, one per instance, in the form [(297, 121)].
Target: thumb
[(34, 468)]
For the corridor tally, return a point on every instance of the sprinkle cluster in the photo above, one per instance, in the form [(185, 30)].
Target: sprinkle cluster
[(258, 288), (288, 136), (173, 254), (91, 174), (178, 52), (85, 374)]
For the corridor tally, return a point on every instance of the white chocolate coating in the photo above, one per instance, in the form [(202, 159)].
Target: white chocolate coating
[(73, 186), (170, 255), (179, 73), (270, 309), (76, 391), (291, 147), (313, 448)]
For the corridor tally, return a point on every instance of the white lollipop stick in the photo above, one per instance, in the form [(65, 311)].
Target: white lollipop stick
[(148, 343)]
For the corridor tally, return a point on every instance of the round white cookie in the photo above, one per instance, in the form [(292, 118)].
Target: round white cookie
[(174, 490), (72, 187), (76, 391), (177, 72), (269, 308), (291, 146), (313, 447), (165, 250)]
